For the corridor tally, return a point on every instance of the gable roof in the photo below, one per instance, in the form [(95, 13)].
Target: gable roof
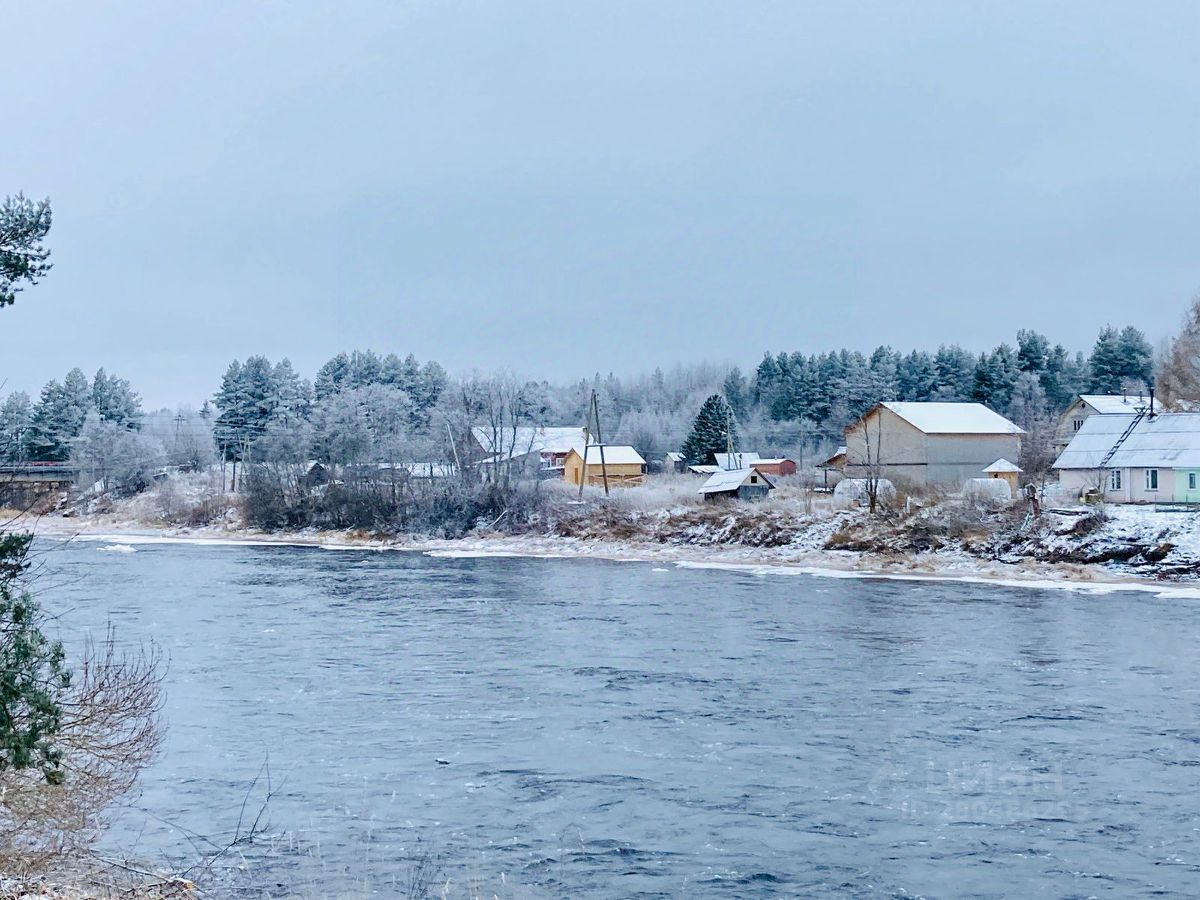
[(614, 455), (953, 418), (1002, 466), (1114, 404), (736, 460), (528, 439), (1169, 441), (730, 480), (839, 453)]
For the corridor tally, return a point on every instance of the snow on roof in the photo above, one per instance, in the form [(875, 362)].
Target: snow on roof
[(773, 461), (730, 480), (704, 470), (840, 451), (1002, 465), (1169, 441), (528, 439), (1114, 404), (736, 460), (614, 455), (673, 456), (953, 418)]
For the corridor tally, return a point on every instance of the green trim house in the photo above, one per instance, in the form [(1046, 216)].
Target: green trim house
[(1139, 458)]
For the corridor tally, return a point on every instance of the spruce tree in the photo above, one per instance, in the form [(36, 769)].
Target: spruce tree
[(714, 431), (1106, 363)]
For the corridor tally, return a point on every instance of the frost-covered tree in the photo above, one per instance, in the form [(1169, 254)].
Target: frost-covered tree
[(735, 390), (57, 418), (1178, 375), (15, 415), (713, 431), (1119, 357), (24, 258), (115, 400)]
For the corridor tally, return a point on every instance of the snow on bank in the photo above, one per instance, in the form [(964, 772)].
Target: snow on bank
[(759, 562)]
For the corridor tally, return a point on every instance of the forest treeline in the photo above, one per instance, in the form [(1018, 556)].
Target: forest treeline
[(363, 407)]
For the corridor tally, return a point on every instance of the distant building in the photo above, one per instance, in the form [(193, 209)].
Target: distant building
[(1138, 458), (624, 466), (777, 466), (929, 443), (1086, 405), (833, 468), (739, 484), (704, 470), (736, 460), (674, 462), (542, 448)]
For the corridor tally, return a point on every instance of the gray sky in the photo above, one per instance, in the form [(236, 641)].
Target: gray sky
[(560, 188)]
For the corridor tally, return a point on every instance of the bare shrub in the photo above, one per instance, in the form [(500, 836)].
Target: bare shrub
[(108, 733)]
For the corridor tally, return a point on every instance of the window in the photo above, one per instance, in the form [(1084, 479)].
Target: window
[(1078, 423), (1114, 480), (1152, 479), (754, 479), (1191, 481)]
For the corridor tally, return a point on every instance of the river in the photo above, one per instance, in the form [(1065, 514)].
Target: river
[(582, 728)]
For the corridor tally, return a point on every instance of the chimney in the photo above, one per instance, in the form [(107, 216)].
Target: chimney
[(1152, 413)]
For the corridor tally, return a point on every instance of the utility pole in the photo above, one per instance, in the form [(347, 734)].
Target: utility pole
[(593, 416)]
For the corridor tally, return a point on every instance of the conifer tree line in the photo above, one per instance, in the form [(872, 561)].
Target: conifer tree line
[(366, 407), (44, 431)]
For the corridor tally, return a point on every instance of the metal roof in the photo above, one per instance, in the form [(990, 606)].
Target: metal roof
[(736, 460), (953, 418), (1114, 404), (731, 480), (525, 439), (614, 455), (1168, 440)]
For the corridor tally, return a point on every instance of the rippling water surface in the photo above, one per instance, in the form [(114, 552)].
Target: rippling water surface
[(620, 730)]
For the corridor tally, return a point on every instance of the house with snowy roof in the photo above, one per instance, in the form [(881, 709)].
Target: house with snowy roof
[(1087, 405), (929, 443), (736, 484), (1134, 458), (621, 465), (543, 448)]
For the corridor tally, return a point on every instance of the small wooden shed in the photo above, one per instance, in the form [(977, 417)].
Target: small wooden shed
[(1006, 471), (624, 465), (740, 484)]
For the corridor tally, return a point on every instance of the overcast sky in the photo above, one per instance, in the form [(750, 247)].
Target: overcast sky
[(559, 188)]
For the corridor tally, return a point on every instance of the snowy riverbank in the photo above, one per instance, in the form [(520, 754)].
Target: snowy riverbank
[(1108, 556)]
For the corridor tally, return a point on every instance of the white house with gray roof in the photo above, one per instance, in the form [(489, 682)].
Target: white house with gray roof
[(1135, 458)]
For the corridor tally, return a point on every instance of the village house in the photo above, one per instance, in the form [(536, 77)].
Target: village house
[(624, 466), (1134, 458), (674, 462), (929, 443), (739, 484), (1086, 405), (543, 449)]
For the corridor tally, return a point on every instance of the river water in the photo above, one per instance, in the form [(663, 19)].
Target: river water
[(581, 728)]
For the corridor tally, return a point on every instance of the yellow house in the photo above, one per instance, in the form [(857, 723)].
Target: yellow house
[(624, 464)]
